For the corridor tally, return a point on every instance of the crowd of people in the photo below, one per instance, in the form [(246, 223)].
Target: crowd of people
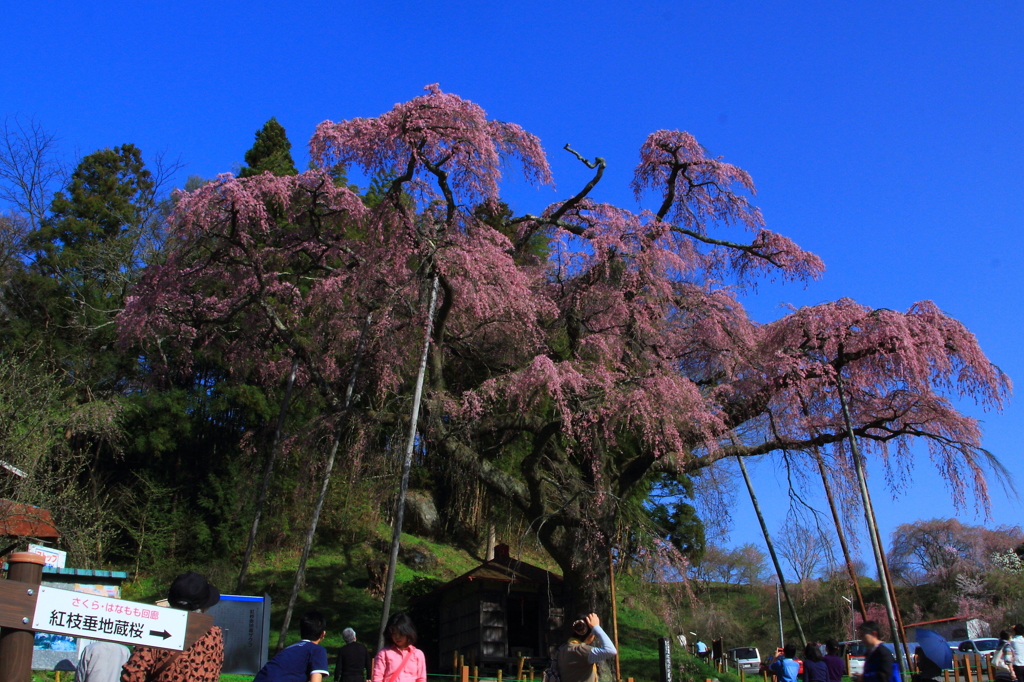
[(815, 666), (306, 660)]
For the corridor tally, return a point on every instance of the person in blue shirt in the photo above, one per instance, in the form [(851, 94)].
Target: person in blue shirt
[(785, 665), (304, 661)]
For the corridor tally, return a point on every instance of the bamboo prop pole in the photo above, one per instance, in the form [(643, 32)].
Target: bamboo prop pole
[(900, 631), (771, 550), (410, 447), (268, 474), (615, 615), (869, 517), (300, 573), (842, 537)]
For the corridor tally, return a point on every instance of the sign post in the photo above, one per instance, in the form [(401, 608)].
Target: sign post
[(15, 642), (26, 607), (665, 659)]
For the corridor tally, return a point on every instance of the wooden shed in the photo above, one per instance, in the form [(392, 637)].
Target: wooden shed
[(496, 612)]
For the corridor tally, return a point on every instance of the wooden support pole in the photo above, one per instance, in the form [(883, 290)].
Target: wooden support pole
[(519, 667), (615, 615), (16, 645)]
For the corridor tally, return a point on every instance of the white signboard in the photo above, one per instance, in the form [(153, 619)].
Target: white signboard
[(113, 620), (55, 558)]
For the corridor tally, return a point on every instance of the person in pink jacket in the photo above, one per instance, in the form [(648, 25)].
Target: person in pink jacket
[(400, 661)]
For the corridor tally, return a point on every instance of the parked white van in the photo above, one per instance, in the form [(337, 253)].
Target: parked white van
[(745, 658)]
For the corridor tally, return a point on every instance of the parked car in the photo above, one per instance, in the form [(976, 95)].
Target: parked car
[(857, 650), (984, 647), (745, 658)]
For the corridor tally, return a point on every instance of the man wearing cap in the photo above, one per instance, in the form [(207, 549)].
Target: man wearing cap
[(202, 661)]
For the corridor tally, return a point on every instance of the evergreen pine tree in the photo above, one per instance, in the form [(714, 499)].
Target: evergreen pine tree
[(271, 152)]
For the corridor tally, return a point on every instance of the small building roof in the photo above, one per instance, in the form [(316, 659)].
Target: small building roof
[(25, 521), (940, 620), (502, 568)]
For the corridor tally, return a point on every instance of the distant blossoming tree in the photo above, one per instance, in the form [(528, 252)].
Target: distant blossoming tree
[(566, 383)]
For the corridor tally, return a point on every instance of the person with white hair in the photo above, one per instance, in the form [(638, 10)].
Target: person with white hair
[(353, 659)]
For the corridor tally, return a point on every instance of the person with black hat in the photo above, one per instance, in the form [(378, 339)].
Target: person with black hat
[(202, 661)]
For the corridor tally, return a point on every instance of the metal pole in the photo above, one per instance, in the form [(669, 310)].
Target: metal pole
[(869, 517), (771, 550), (410, 447), (16, 645)]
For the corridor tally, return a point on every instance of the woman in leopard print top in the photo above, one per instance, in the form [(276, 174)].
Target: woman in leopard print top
[(199, 663)]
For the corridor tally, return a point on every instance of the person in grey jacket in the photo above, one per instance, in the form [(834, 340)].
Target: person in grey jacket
[(101, 662)]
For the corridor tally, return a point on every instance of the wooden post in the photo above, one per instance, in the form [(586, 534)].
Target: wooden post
[(991, 670), (16, 645), (945, 676), (499, 674), (519, 667), (464, 673), (531, 674), (848, 673), (967, 669), (742, 679), (476, 674), (455, 661)]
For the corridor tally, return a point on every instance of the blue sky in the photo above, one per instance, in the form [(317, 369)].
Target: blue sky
[(886, 137)]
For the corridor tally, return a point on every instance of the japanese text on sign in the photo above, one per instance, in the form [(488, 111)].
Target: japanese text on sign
[(70, 613)]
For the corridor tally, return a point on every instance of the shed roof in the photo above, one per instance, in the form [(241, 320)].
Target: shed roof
[(502, 568), (25, 521)]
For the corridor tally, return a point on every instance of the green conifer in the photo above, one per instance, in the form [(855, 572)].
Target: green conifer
[(271, 152)]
